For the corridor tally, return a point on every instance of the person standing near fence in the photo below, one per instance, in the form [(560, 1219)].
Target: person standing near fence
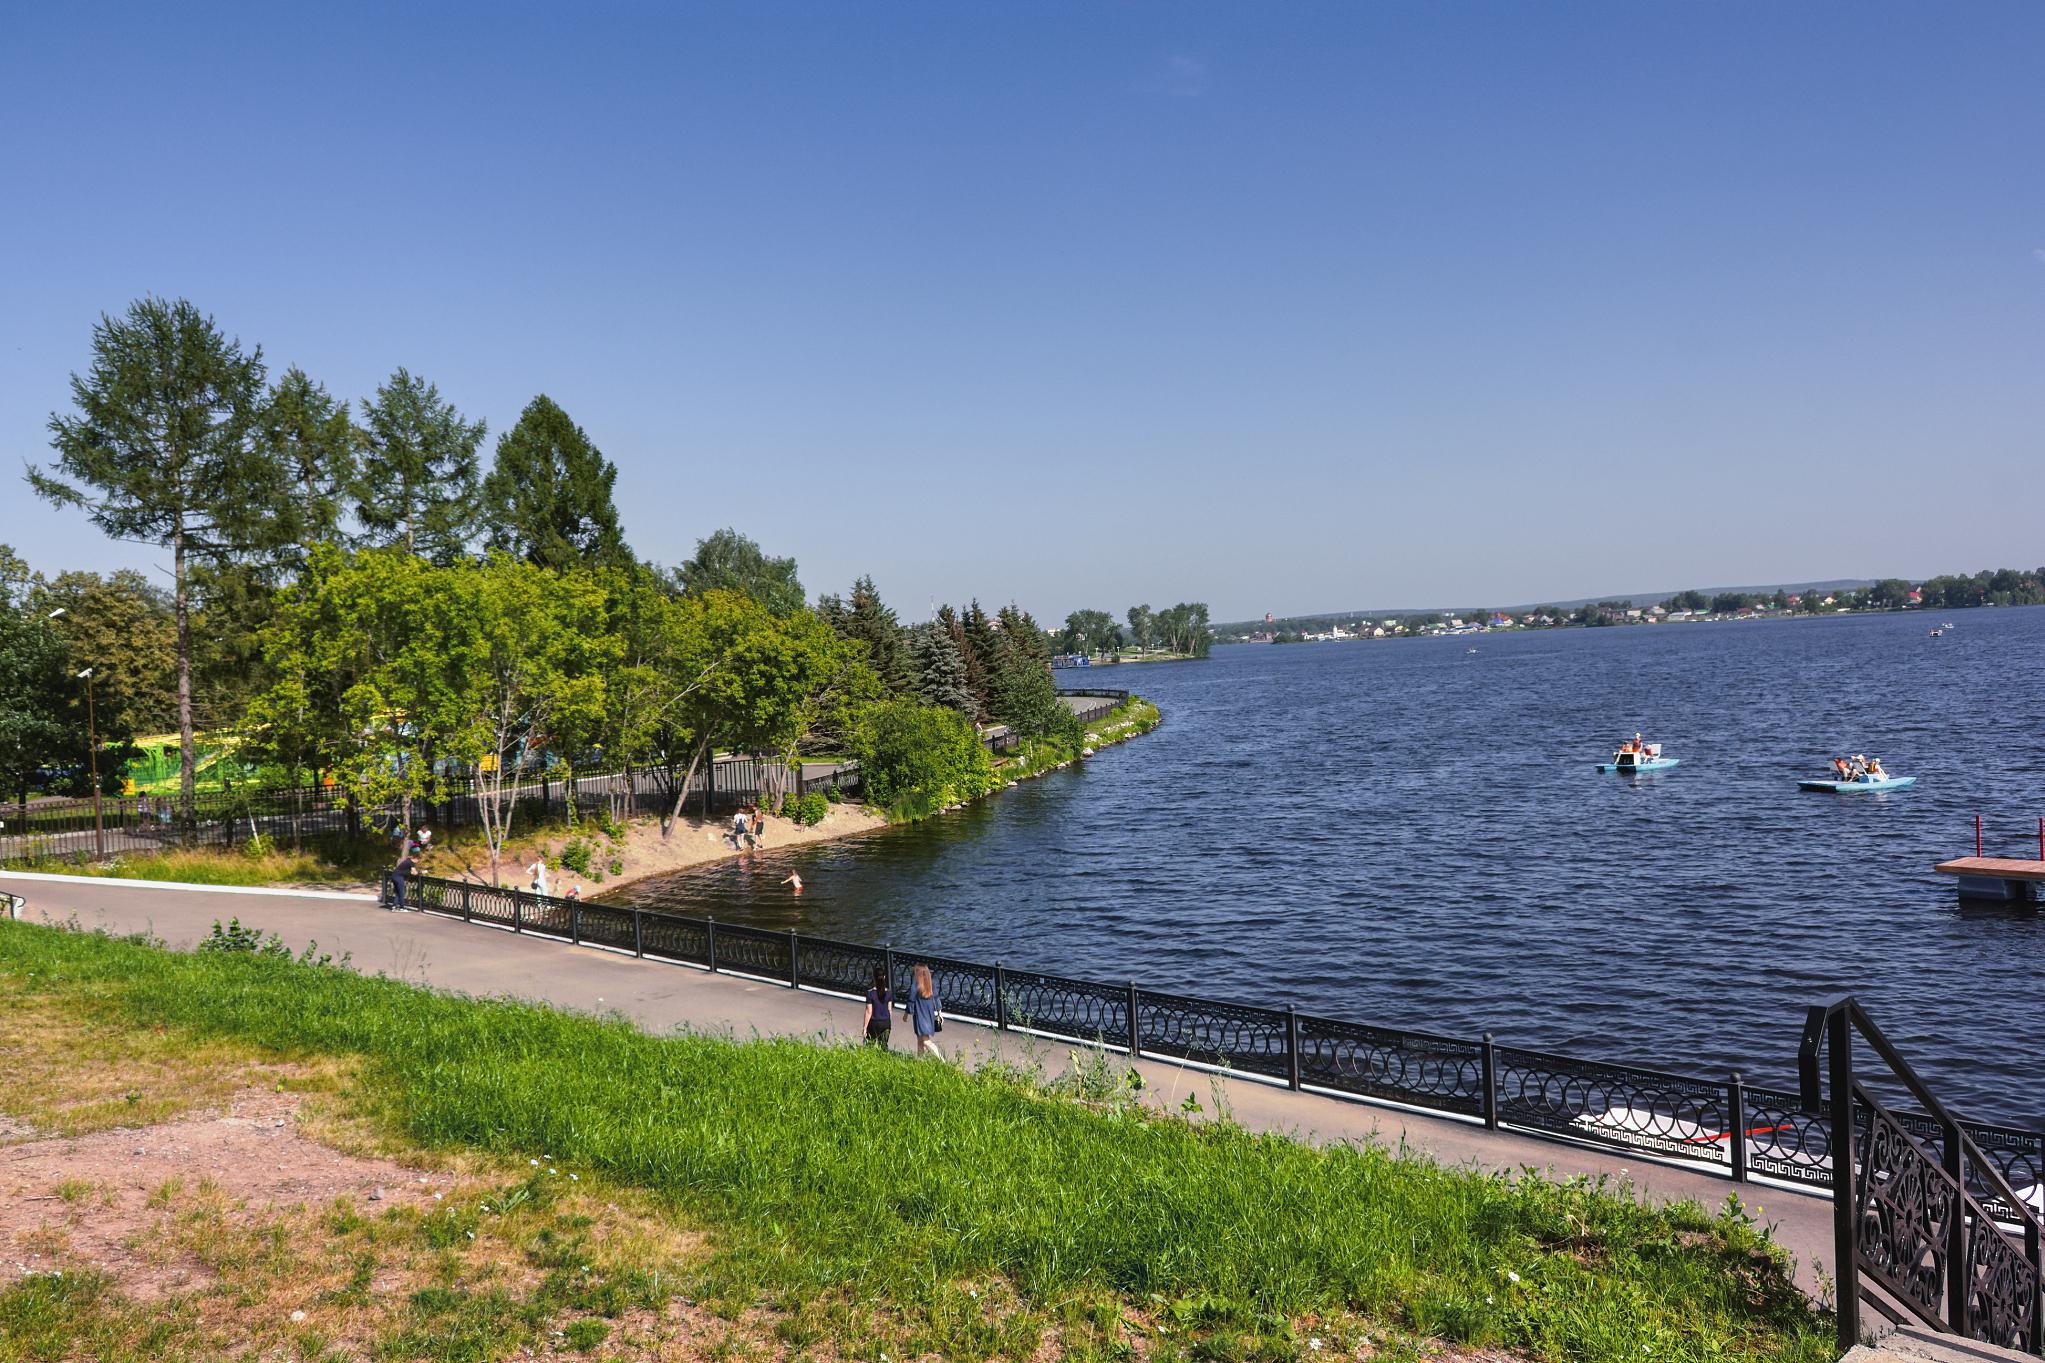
[(398, 876), (880, 1002), (926, 1012)]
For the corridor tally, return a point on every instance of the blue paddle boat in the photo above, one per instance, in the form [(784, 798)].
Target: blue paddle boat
[(1637, 757), (1859, 785)]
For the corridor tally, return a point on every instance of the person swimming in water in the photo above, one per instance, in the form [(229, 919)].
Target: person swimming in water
[(795, 879)]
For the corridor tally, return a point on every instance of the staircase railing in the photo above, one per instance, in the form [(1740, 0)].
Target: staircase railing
[(1908, 1213)]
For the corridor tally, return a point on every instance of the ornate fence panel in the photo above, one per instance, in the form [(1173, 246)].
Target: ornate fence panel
[(1666, 1114), (1407, 1067), (606, 925), (842, 967), (964, 988), (1784, 1141), (1078, 1009), (1230, 1035), (1905, 1212), (545, 914), (676, 938), (752, 951)]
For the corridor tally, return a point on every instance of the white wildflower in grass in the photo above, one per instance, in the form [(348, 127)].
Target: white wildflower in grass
[(1511, 1276), (553, 1171), (534, 1163), (575, 1178)]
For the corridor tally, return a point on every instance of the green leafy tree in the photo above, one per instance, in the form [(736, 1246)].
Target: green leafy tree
[(160, 450), (1688, 601), (915, 759), (548, 496), (35, 721), (125, 630), (1140, 624), (728, 561), (1090, 632), (417, 488)]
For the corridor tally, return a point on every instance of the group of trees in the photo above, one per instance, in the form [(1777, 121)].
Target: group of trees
[(358, 600), (1181, 629)]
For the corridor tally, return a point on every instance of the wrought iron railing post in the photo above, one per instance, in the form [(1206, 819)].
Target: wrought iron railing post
[(1490, 1053), (2036, 1342), (887, 966), (1957, 1274), (517, 909), (1135, 1026), (794, 978), (575, 921), (1845, 1214), (1000, 998), (468, 910), (1736, 1126), (710, 943), (638, 933), (1292, 1047)]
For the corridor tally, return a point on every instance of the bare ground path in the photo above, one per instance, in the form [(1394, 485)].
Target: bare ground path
[(661, 997)]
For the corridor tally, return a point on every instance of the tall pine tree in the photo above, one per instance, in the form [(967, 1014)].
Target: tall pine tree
[(161, 450), (547, 499), (418, 484), (868, 620)]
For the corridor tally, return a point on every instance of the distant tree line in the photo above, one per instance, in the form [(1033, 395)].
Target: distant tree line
[(1181, 630)]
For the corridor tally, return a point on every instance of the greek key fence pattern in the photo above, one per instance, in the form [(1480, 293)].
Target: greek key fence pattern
[(1725, 1126)]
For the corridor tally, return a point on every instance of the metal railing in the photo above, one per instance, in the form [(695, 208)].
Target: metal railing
[(1723, 1127), (1919, 1209), (1087, 714)]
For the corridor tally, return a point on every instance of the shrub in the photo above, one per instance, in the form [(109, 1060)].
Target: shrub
[(915, 759), (576, 854), (811, 808)]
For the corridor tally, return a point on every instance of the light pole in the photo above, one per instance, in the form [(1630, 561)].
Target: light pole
[(99, 837)]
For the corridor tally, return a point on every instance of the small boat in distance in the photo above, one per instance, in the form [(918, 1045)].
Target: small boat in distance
[(1935, 633), (1637, 757)]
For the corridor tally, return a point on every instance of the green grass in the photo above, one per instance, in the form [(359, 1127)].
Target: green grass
[(213, 866), (841, 1174)]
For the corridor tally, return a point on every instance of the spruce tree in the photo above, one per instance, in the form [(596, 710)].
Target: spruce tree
[(940, 671), (313, 442), (548, 499), (418, 482), (868, 620), (976, 670)]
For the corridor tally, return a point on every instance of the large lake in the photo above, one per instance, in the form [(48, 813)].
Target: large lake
[(1410, 833)]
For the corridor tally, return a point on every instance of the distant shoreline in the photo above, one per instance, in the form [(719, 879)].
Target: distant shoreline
[(1468, 628)]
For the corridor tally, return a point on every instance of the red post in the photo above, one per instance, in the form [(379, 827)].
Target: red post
[(1977, 835), (2041, 839)]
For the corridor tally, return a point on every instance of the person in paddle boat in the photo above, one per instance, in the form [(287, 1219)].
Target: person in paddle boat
[(1874, 770), (1842, 769)]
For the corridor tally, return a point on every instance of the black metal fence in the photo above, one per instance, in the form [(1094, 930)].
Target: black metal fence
[(1927, 1224), (1089, 713), (145, 823), (1723, 1126)]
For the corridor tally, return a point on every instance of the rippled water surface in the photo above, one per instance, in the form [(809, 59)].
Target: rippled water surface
[(1409, 833)]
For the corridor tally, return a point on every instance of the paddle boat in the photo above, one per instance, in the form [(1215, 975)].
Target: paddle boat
[(1859, 785), (1637, 757)]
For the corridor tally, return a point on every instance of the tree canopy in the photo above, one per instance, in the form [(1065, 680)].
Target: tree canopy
[(548, 496)]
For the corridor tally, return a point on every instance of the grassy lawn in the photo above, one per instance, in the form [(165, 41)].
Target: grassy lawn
[(216, 866), (859, 1205)]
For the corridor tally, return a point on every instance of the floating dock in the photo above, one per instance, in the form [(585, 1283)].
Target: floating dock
[(2006, 880)]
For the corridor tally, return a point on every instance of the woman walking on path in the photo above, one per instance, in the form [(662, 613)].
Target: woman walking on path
[(926, 1014), (880, 1002)]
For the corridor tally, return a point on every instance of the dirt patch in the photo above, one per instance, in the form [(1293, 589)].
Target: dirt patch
[(642, 852), (100, 1199)]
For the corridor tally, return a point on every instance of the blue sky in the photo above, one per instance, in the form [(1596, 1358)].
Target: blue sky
[(1298, 307)]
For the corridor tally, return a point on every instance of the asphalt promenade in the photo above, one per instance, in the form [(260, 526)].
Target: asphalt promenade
[(473, 959)]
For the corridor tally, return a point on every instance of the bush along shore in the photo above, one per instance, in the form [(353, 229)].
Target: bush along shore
[(566, 1183)]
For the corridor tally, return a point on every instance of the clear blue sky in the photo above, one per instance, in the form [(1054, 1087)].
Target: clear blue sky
[(1301, 307)]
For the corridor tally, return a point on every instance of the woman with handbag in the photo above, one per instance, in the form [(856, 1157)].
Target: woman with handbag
[(926, 1014)]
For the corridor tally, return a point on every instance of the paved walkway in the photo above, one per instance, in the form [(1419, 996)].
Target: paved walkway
[(473, 959)]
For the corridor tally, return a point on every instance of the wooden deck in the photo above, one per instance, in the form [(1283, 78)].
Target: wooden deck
[(1995, 868)]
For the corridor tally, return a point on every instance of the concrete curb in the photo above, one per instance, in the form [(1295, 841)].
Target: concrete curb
[(120, 883)]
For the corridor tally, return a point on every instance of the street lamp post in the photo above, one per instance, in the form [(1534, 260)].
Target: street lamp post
[(99, 837)]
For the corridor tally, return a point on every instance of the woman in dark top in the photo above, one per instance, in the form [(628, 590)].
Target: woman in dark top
[(880, 1002)]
